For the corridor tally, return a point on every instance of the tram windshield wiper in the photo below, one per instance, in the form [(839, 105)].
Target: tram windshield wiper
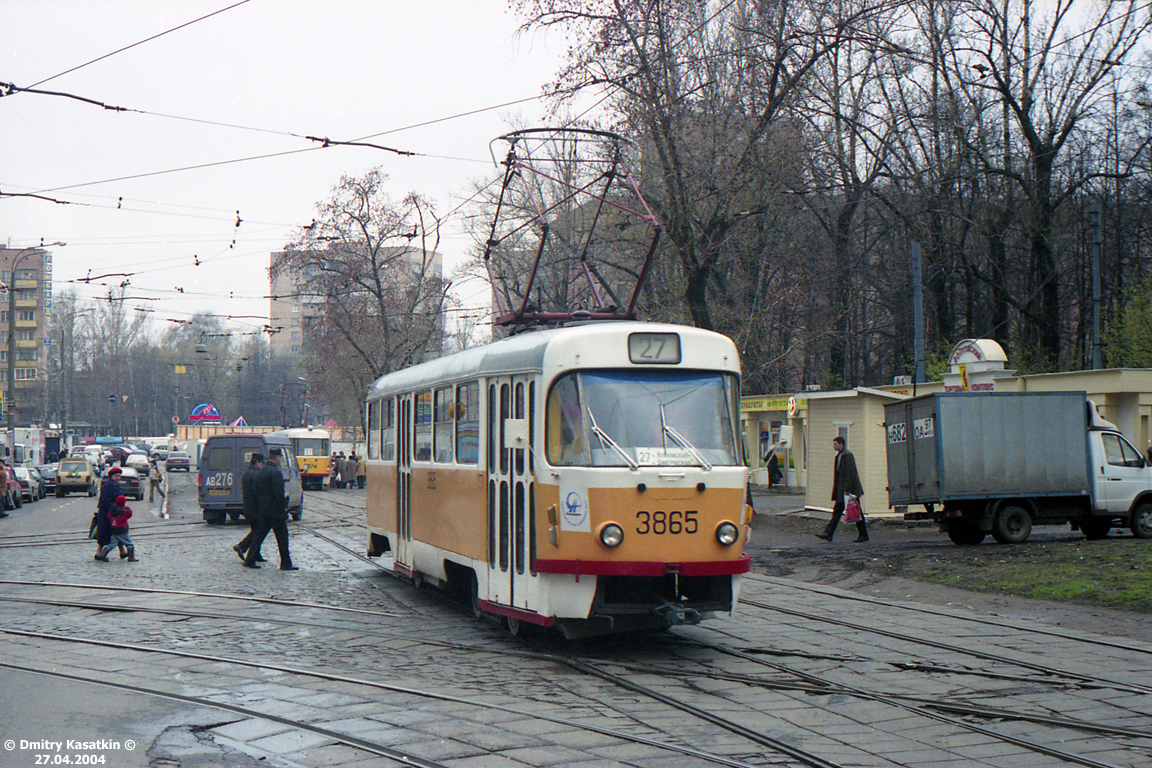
[(606, 440), (681, 441)]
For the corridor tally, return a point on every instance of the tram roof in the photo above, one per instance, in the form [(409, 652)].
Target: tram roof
[(523, 353), (318, 432)]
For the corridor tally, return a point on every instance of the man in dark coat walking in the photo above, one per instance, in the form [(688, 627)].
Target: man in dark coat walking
[(845, 481), (273, 512), (251, 510)]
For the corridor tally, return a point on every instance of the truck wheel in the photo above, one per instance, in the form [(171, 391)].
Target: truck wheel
[(1095, 529), (1012, 525), (965, 534), (1141, 522)]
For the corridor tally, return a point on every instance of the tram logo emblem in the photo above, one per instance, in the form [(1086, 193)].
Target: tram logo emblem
[(575, 511)]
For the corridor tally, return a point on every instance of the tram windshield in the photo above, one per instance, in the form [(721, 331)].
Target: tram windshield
[(311, 446), (642, 418)]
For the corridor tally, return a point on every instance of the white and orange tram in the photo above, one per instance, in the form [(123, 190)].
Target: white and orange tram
[(588, 477)]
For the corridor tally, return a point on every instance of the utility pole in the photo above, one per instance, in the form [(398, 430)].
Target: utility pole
[(1096, 225), (917, 315)]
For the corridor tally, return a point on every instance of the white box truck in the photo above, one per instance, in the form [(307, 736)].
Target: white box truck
[(1001, 462)]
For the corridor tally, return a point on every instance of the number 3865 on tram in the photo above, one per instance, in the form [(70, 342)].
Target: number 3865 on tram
[(588, 477)]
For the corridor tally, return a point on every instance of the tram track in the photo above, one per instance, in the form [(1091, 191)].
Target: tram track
[(333, 524), (806, 758), (927, 711), (828, 688), (947, 712), (812, 685), (935, 643), (924, 609), (1063, 678), (144, 532), (370, 747), (346, 679), (541, 653), (189, 593), (777, 745)]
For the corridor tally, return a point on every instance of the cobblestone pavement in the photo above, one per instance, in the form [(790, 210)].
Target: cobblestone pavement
[(307, 684)]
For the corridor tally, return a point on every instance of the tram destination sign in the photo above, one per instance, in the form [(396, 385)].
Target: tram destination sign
[(662, 348)]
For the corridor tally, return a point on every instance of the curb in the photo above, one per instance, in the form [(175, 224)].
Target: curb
[(882, 518)]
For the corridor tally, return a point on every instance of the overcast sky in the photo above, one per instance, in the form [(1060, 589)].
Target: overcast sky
[(345, 69)]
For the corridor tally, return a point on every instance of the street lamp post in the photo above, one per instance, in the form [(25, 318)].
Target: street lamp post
[(16, 262), (66, 324)]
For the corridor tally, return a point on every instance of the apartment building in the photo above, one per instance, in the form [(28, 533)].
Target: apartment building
[(293, 309), (32, 283)]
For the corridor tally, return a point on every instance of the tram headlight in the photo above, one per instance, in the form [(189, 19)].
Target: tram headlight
[(611, 535), (727, 534)]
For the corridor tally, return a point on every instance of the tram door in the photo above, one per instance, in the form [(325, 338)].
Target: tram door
[(510, 524), (404, 480)]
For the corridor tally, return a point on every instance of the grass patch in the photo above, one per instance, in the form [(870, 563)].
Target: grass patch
[(1112, 573)]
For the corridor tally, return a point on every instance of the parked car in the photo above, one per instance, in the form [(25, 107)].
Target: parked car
[(75, 474), (131, 483), (29, 486), (48, 478), (12, 497), (178, 460), (37, 482), (160, 452)]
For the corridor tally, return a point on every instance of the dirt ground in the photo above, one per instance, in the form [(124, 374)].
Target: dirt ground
[(784, 544)]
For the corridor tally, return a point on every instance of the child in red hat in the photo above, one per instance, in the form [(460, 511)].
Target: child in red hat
[(118, 516)]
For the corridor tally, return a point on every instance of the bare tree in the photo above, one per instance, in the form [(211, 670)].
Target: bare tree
[(371, 266), (709, 94), (1051, 68), (850, 139)]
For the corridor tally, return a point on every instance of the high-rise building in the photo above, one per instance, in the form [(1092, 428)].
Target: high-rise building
[(289, 311), (295, 310), (33, 286)]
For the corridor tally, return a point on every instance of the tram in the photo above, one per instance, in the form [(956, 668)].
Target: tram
[(312, 448), (587, 477)]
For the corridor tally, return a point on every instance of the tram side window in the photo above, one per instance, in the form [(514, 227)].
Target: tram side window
[(445, 421), (373, 430), (388, 429), (564, 425), (468, 423), (422, 436)]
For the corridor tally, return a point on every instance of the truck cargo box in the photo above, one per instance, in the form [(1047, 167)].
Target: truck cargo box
[(970, 445)]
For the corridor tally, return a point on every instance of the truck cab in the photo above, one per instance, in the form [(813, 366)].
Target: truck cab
[(1122, 475)]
